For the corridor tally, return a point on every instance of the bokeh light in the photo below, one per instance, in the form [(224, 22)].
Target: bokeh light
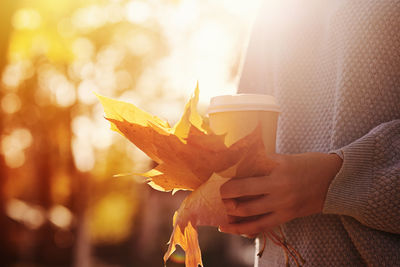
[(115, 228), (137, 11), (62, 204), (10, 103), (26, 18), (30, 215), (60, 216), (13, 147)]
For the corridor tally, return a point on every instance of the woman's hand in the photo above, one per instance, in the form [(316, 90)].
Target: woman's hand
[(296, 187)]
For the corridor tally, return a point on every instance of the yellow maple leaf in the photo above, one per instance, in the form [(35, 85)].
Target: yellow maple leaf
[(190, 157)]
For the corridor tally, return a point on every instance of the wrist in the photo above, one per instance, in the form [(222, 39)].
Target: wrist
[(323, 169), (331, 166), (334, 164)]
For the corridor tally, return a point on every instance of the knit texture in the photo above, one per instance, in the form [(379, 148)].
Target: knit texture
[(334, 67)]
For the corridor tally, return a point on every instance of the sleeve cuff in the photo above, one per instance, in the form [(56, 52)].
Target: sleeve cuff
[(349, 191)]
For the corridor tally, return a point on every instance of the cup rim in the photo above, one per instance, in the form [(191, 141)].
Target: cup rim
[(243, 102)]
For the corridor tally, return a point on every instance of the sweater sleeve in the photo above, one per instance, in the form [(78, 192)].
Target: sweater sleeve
[(367, 187)]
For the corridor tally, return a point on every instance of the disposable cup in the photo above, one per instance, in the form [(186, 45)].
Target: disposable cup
[(238, 115)]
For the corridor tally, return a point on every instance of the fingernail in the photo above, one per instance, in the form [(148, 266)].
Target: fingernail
[(222, 229)]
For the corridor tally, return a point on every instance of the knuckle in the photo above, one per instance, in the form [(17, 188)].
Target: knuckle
[(286, 182), (290, 211), (291, 200), (295, 205)]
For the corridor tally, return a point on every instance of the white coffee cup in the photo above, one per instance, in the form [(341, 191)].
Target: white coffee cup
[(238, 115)]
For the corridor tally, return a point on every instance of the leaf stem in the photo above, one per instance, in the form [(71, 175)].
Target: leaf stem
[(259, 254), (295, 255)]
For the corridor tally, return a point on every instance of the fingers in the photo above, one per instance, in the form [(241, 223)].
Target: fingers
[(250, 186), (251, 228), (237, 219), (251, 207)]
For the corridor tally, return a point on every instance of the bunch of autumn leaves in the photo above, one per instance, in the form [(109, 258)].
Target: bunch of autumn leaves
[(190, 157)]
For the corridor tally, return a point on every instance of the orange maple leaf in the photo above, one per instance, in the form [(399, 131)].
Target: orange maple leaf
[(190, 157)]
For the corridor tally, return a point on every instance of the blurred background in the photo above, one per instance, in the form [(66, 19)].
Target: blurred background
[(60, 204)]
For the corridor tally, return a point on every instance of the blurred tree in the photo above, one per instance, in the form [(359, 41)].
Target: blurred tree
[(59, 53), (60, 205), (7, 9)]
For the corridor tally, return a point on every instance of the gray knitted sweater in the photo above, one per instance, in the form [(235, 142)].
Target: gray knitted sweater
[(334, 67)]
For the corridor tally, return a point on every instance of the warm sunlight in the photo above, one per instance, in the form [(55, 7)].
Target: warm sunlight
[(199, 133), (60, 157)]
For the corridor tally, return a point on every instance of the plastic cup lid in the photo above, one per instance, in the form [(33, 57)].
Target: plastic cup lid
[(243, 102)]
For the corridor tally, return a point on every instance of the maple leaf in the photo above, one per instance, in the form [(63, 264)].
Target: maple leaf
[(190, 157), (204, 205)]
